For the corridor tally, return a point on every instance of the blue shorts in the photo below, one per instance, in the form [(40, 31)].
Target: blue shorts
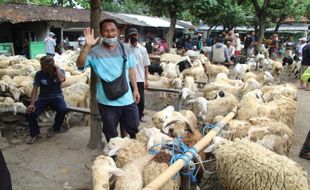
[(127, 116)]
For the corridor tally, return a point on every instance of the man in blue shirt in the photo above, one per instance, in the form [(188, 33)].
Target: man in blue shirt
[(107, 61), (49, 80)]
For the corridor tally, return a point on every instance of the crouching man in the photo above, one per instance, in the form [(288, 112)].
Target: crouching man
[(49, 80)]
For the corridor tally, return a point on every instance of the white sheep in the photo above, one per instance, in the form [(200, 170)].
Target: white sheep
[(70, 80), (252, 104), (277, 70), (102, 170), (213, 88), (157, 166), (190, 84), (197, 71), (152, 136), (132, 178), (278, 91), (162, 118), (126, 150), (212, 70), (170, 70), (242, 164), (222, 105), (263, 78), (177, 83), (240, 70), (168, 57), (77, 95), (274, 135)]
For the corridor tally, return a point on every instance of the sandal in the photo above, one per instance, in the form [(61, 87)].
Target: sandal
[(50, 133), (33, 139)]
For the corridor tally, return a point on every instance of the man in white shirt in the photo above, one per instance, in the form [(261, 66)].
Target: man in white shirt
[(143, 62), (50, 44), (303, 42)]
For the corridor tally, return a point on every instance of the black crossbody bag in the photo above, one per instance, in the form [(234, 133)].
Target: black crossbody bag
[(119, 86)]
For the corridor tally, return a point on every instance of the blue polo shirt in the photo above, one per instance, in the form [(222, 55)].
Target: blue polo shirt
[(50, 86), (108, 65)]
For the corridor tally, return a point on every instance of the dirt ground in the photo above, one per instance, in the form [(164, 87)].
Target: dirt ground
[(64, 161)]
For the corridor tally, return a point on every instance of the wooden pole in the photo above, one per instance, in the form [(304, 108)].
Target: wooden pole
[(179, 164)]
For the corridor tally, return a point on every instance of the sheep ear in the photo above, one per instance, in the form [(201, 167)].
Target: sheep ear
[(150, 143), (112, 152), (118, 172), (209, 149)]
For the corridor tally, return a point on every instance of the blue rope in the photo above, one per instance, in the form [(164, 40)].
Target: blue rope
[(152, 150), (181, 154), (209, 126), (178, 150)]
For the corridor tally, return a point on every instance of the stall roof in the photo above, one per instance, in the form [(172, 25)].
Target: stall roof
[(142, 20), (17, 13), (284, 27)]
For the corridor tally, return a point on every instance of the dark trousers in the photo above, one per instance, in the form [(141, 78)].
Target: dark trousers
[(5, 178), (127, 116), (306, 146), (58, 104), (142, 99), (51, 54)]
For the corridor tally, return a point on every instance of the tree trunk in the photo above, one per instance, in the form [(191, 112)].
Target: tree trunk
[(171, 31), (95, 120), (281, 19), (261, 33)]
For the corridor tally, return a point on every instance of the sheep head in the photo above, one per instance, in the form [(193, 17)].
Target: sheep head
[(177, 128), (187, 93), (16, 92), (4, 86), (115, 145), (160, 117), (267, 77), (102, 170)]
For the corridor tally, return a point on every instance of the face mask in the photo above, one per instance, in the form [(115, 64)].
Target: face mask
[(133, 40), (109, 41), (82, 43)]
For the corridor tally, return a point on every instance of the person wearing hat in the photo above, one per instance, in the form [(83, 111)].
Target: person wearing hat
[(199, 42), (50, 44), (48, 80), (111, 61), (301, 45), (238, 45), (122, 38), (143, 62)]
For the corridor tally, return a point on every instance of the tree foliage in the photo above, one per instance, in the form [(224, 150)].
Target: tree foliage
[(280, 10), (168, 8), (220, 12)]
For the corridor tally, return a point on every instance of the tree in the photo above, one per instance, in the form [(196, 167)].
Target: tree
[(261, 8), (280, 10), (170, 8), (220, 12), (95, 122)]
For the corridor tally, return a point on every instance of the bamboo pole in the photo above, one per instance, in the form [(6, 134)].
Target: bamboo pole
[(179, 164)]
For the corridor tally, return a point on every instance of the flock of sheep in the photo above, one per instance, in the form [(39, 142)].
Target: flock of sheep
[(251, 151), (17, 76)]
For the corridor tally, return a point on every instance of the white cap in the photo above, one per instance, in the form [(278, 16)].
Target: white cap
[(51, 34), (303, 39)]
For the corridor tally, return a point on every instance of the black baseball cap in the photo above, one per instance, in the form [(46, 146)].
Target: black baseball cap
[(132, 31)]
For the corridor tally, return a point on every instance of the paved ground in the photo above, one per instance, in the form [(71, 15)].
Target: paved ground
[(63, 162)]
